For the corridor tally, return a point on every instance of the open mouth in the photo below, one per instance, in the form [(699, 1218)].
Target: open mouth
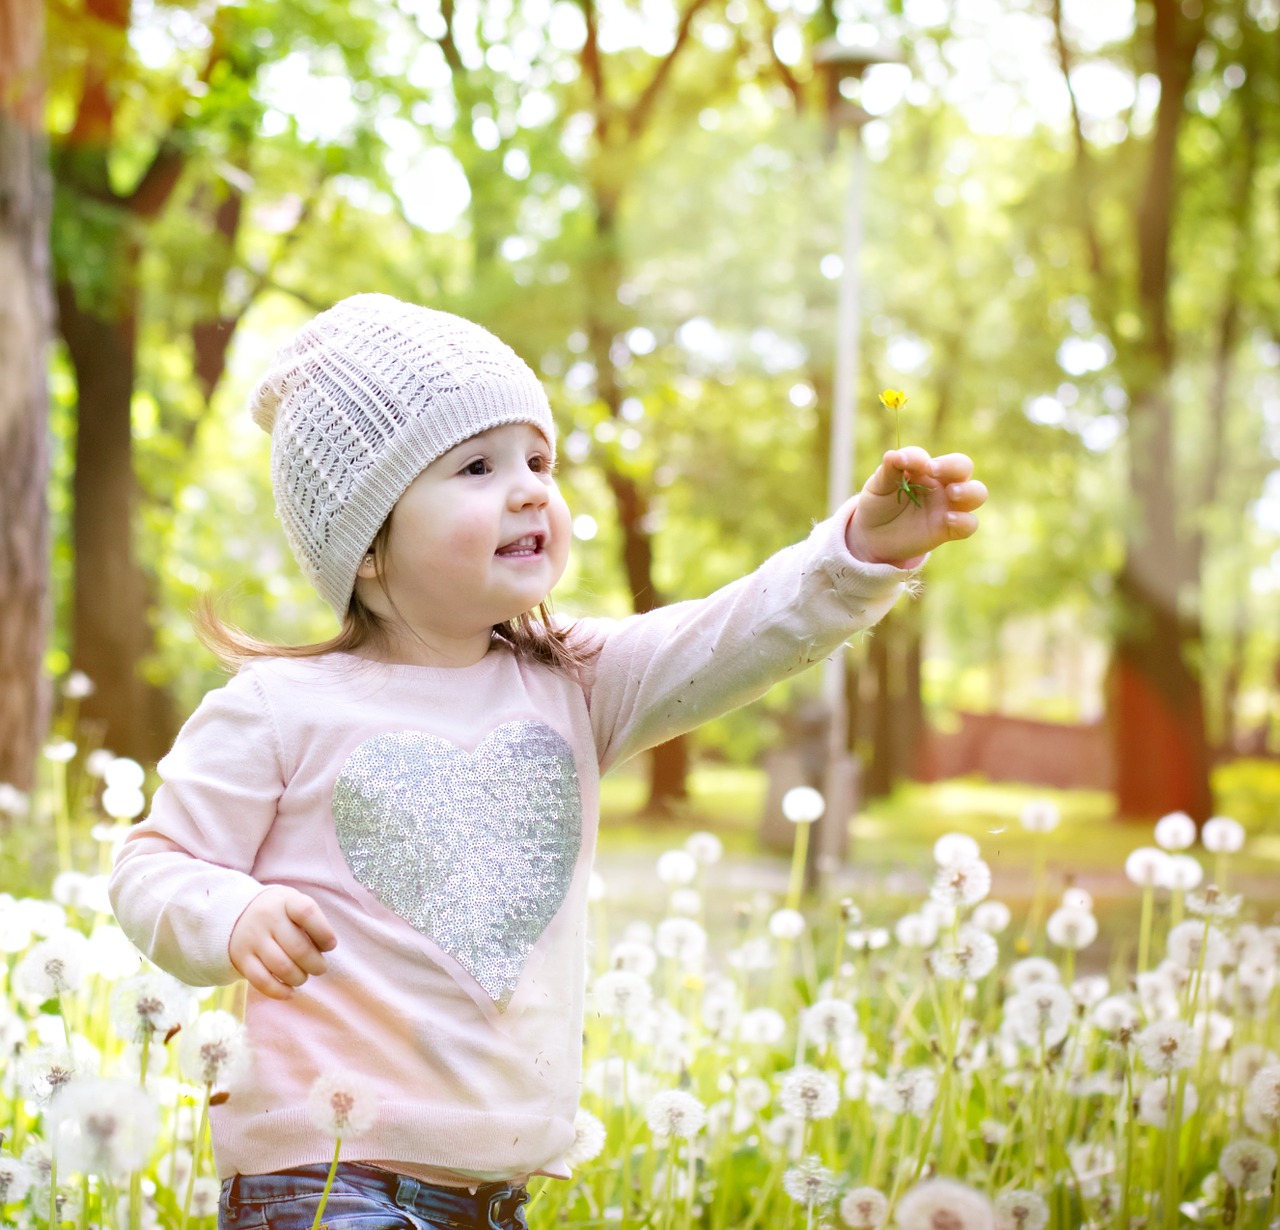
[(527, 547)]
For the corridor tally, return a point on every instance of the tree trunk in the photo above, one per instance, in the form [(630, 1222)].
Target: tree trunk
[(25, 313), (1157, 713)]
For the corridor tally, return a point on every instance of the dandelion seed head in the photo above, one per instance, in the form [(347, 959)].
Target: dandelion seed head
[(1211, 902), (1090, 989), (1039, 816), (810, 1183), (972, 955), (213, 1050), (707, 848), (915, 931), (48, 1070), (1248, 1165), (342, 1103), (953, 848), (55, 966), (1181, 873), (677, 867), (1168, 1046), (634, 956), (1117, 1015), (620, 994), (1041, 1014), (149, 1004), (1186, 941), (864, 1208), (866, 939), (961, 883), (1176, 831), (1021, 1210), (762, 1026), (827, 1021), (908, 1093), (786, 924), (945, 1204), (682, 940), (1071, 927), (685, 902), (675, 1113), (1028, 971), (1155, 1100), (102, 1126), (803, 805), (588, 1139), (1145, 866), (1262, 1101), (1077, 898), (1248, 1060), (1222, 835), (15, 1179), (808, 1094), (991, 916)]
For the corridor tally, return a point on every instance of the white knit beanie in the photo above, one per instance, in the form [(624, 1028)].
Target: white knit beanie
[(359, 402)]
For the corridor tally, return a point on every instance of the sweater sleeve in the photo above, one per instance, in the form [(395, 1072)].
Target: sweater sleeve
[(183, 877), (657, 675)]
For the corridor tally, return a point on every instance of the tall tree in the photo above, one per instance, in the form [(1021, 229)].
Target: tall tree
[(25, 315)]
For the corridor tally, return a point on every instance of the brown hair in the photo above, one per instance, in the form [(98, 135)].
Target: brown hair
[(534, 639)]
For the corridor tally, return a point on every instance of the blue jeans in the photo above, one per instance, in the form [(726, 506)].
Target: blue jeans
[(365, 1198)]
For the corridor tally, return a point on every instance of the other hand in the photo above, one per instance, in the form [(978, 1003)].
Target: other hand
[(890, 528), (278, 942)]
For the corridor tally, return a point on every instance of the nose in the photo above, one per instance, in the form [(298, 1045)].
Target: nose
[(527, 491)]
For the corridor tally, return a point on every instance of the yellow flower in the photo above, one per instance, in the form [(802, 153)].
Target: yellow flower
[(893, 399)]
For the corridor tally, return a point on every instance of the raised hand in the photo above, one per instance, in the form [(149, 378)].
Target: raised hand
[(278, 942), (891, 528)]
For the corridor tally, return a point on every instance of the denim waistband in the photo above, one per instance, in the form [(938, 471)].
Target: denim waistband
[(486, 1205)]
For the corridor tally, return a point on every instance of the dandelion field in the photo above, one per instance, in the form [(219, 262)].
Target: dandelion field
[(942, 1063)]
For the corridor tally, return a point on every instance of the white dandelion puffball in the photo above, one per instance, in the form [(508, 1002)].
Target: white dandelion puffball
[(1117, 1014), (972, 955), (803, 805), (59, 751), (944, 1204), (1090, 989), (597, 889), (1156, 1099), (1248, 1165), (762, 1026), (45, 1071), (1145, 866), (827, 1021), (1040, 1015), (1021, 1210), (1040, 816), (682, 940), (915, 931), (213, 1050), (1069, 927), (1176, 831), (786, 924), (55, 966), (618, 993), (15, 1179), (122, 804), (634, 956), (961, 883), (908, 1093), (13, 802), (1168, 1046), (707, 848), (685, 902), (588, 1139), (1262, 1101), (991, 916), (102, 1127), (677, 867), (864, 1208), (151, 1003), (955, 848), (1181, 873), (204, 1198), (1028, 971), (341, 1103), (1222, 835), (675, 1113), (111, 953), (810, 1184), (1077, 898), (121, 773), (1186, 941), (807, 1093)]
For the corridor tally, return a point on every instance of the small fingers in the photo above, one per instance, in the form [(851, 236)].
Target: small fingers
[(961, 525), (280, 964), (261, 979), (950, 467), (965, 497), (298, 947), (308, 915)]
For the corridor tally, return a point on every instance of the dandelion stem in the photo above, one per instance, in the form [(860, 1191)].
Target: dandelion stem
[(799, 852), (196, 1149), (1144, 929), (1130, 1142), (84, 1202), (328, 1184)]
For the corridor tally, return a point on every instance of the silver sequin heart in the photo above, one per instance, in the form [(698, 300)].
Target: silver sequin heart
[(475, 850)]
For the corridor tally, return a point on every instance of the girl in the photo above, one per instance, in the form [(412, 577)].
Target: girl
[(389, 835)]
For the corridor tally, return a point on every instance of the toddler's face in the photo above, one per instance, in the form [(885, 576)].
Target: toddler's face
[(480, 535)]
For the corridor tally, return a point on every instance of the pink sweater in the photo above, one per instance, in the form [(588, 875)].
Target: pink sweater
[(445, 822)]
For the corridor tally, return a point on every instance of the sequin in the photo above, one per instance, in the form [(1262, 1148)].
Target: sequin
[(475, 850)]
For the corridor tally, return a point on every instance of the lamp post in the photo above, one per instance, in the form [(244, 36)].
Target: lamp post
[(841, 62)]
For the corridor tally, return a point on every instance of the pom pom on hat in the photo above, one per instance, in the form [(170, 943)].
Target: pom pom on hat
[(359, 402)]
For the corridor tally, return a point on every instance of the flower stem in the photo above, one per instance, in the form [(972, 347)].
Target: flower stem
[(196, 1148), (328, 1183), (1144, 931), (799, 852)]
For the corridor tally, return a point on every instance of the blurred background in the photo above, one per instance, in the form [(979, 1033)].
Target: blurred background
[(717, 229)]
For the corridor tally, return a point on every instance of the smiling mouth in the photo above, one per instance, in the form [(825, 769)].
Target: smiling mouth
[(523, 548)]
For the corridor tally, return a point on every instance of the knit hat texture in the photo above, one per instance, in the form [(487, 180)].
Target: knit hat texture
[(360, 402)]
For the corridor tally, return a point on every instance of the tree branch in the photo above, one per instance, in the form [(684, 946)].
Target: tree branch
[(641, 111)]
